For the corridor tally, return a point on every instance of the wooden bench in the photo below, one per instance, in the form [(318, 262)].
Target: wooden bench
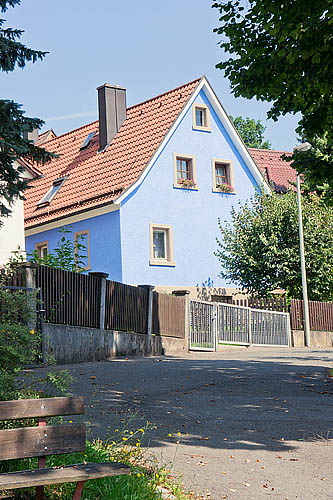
[(44, 440)]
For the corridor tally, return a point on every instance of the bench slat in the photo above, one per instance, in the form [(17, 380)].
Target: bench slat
[(45, 407), (70, 473), (40, 441)]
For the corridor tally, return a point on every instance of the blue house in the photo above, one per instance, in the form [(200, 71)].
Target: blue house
[(145, 186)]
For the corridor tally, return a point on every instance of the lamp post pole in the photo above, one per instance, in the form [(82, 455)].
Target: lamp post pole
[(303, 147)]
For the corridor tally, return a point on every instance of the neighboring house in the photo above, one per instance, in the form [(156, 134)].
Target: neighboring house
[(12, 230), (142, 186), (278, 173)]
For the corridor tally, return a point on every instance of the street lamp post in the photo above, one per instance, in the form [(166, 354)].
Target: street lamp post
[(303, 147)]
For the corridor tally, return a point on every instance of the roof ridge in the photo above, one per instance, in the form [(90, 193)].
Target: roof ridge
[(165, 93), (70, 131), (131, 107), (270, 150)]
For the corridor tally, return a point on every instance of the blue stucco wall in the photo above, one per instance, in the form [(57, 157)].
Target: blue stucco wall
[(193, 215), (104, 240)]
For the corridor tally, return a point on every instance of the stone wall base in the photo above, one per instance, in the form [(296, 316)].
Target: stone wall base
[(75, 344), (317, 339)]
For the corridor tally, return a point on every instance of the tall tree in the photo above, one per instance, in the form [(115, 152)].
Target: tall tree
[(251, 131), (259, 249), (12, 120), (281, 52)]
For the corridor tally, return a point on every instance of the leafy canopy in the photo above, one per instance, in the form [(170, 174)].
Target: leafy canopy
[(259, 249), (251, 131), (281, 51), (12, 120)]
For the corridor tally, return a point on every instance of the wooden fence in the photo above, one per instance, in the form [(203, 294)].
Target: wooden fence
[(168, 315), (270, 304), (126, 307), (321, 315), (14, 278), (69, 298)]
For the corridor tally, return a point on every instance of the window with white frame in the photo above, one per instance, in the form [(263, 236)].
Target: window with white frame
[(184, 171), (201, 117), (223, 178), (161, 245)]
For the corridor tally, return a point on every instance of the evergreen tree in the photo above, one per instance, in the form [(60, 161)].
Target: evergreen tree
[(12, 120)]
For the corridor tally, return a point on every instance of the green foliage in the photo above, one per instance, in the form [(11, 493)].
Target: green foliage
[(251, 131), (12, 120), (20, 346), (140, 485), (259, 250), (317, 166), (281, 52), (69, 254)]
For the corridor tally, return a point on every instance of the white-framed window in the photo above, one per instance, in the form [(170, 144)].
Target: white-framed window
[(82, 254), (42, 248), (201, 117), (161, 245), (223, 176), (48, 197), (185, 174)]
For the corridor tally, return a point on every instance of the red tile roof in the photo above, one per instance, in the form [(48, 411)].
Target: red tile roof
[(277, 172), (94, 179)]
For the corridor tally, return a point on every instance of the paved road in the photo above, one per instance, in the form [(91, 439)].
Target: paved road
[(254, 423)]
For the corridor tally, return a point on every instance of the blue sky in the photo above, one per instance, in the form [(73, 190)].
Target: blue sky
[(148, 47)]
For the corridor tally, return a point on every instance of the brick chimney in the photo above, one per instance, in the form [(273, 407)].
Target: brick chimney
[(111, 111), (31, 136)]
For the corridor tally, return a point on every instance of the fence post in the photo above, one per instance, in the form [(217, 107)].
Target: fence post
[(250, 326), (102, 277), (150, 289), (30, 274), (186, 295)]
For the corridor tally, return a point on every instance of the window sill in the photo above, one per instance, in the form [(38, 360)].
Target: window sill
[(179, 186), (201, 129), (216, 190), (161, 262)]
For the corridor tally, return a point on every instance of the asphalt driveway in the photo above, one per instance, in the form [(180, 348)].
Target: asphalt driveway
[(245, 424)]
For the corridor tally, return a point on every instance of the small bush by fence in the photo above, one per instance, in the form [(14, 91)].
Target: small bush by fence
[(168, 315), (321, 315)]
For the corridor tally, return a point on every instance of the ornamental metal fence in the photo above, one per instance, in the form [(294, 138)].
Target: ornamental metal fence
[(212, 324)]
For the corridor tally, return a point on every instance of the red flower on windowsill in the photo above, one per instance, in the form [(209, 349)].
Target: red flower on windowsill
[(187, 183), (225, 188)]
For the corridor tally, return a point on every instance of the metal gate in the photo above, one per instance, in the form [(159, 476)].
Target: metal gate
[(202, 326), (212, 323)]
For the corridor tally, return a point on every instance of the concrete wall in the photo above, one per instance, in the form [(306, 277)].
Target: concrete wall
[(74, 344), (317, 339)]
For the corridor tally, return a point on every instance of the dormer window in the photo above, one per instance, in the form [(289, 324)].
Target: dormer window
[(201, 117), (46, 200), (87, 140)]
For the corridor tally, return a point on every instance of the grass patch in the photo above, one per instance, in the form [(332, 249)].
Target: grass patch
[(124, 447)]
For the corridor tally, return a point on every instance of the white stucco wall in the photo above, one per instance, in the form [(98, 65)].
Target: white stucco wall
[(12, 230), (12, 233)]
